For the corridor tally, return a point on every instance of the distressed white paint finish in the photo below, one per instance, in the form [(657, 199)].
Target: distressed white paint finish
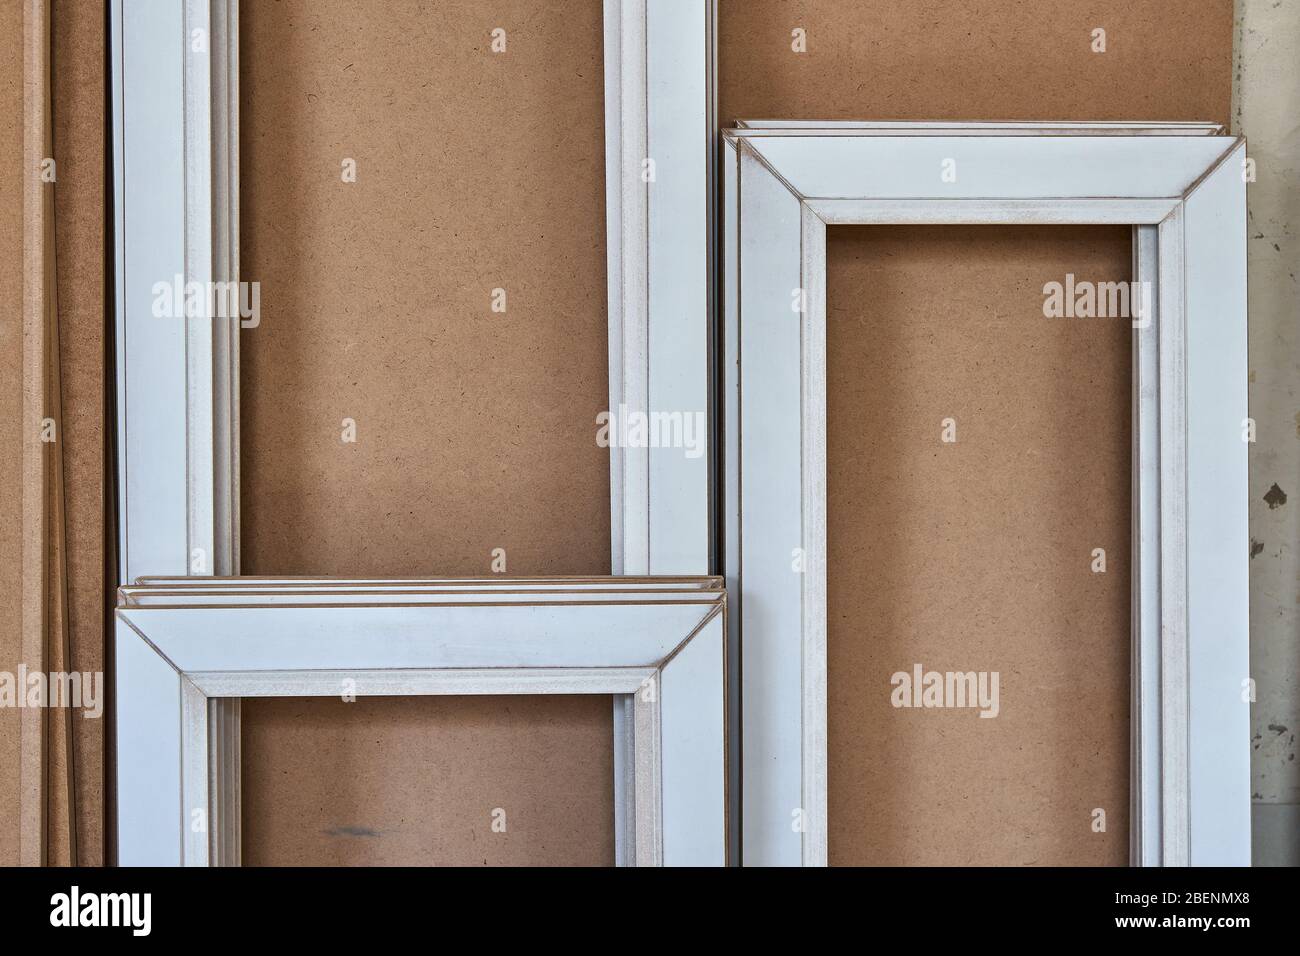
[(902, 212), (1171, 336), (770, 544), (183, 591), (175, 660), (497, 584), (1144, 717), (1217, 536), (812, 408), (419, 682), (868, 166), (627, 238), (1183, 191), (728, 421)]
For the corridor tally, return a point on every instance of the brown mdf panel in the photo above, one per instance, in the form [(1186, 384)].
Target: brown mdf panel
[(77, 115), (11, 407), (976, 59), (495, 783), (475, 429), (77, 28), (977, 555)]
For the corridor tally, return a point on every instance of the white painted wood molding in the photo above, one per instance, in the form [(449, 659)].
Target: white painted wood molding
[(662, 647), (176, 207), (1181, 187), (176, 201), (660, 140)]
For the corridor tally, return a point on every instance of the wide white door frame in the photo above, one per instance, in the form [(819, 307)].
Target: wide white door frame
[(1182, 188)]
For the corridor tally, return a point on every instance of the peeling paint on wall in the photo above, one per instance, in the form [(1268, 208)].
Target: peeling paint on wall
[(1266, 108)]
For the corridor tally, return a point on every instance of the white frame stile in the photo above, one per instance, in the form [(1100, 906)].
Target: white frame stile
[(176, 213), (1182, 188), (659, 157), (176, 198), (659, 142), (184, 643)]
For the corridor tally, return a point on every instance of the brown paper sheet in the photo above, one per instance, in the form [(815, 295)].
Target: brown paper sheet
[(474, 429), (976, 556)]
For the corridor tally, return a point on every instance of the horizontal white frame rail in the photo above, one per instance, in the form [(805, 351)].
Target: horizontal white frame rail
[(664, 649)]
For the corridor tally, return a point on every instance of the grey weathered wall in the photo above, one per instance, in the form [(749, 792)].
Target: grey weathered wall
[(1266, 108)]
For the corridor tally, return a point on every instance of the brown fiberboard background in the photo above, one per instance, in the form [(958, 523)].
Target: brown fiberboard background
[(975, 60), (475, 429), (453, 781), (11, 408), (77, 35), (975, 556), (77, 71)]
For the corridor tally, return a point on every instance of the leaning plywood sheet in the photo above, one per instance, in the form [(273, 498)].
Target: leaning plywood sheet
[(11, 416), (78, 36)]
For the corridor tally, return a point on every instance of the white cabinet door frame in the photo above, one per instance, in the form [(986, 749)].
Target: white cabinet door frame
[(182, 645), (1182, 188), (175, 122)]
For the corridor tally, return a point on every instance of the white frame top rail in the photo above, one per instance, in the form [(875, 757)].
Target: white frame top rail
[(187, 644)]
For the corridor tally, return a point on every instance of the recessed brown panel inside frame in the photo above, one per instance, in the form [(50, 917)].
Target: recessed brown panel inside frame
[(475, 171), (977, 555)]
